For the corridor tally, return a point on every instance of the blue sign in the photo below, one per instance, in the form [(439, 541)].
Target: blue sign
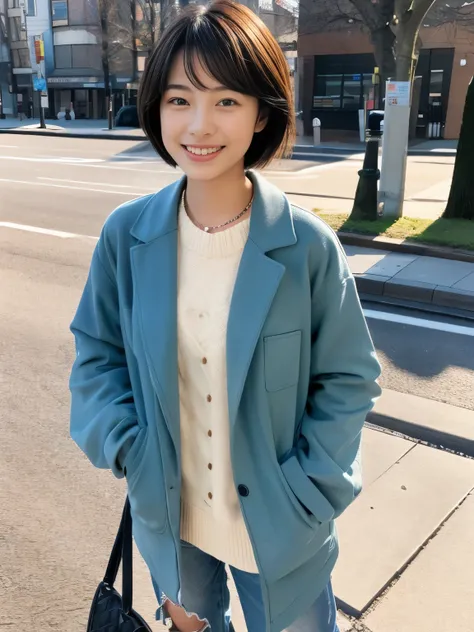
[(39, 84), (356, 77)]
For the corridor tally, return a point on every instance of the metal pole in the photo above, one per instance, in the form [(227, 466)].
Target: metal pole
[(41, 110), (366, 197), (110, 110)]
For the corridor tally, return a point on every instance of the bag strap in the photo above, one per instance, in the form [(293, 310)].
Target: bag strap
[(122, 552), (127, 561)]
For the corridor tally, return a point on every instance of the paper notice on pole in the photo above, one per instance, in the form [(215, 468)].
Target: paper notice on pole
[(398, 93)]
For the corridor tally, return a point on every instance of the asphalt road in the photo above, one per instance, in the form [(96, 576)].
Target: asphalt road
[(57, 532)]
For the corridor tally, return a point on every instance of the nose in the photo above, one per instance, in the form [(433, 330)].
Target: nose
[(201, 123)]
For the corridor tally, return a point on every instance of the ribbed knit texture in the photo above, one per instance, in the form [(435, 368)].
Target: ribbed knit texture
[(208, 265)]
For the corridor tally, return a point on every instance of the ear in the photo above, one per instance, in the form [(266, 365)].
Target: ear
[(262, 119)]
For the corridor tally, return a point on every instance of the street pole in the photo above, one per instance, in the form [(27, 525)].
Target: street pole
[(110, 113), (366, 198), (395, 147), (41, 75)]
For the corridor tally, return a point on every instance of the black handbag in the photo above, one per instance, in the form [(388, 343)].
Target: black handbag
[(110, 611)]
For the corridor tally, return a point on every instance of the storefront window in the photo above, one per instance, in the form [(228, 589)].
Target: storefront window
[(352, 92), (59, 12), (328, 91), (342, 91)]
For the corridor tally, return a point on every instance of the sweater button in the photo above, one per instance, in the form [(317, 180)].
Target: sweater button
[(204, 360), (209, 496), (210, 466), (209, 398), (209, 433), (243, 490)]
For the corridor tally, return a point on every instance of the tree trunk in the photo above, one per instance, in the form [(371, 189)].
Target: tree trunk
[(384, 42), (133, 28), (461, 197), (105, 55)]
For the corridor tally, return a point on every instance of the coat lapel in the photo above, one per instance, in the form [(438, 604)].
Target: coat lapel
[(257, 282), (154, 268)]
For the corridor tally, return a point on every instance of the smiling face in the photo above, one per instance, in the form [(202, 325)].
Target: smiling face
[(206, 131)]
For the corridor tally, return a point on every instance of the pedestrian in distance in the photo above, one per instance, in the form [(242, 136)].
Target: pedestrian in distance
[(224, 366), (19, 108)]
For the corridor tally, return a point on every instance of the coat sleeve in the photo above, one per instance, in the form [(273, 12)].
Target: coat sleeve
[(104, 420), (324, 468)]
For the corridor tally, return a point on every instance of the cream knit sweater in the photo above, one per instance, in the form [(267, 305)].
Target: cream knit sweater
[(211, 517)]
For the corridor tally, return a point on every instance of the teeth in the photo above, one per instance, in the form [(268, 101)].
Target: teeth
[(202, 152)]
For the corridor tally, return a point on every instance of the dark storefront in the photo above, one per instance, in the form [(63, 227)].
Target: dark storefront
[(343, 85)]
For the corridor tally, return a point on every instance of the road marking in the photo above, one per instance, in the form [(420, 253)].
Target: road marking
[(72, 161), (66, 186), (100, 184), (45, 231), (91, 166), (419, 322)]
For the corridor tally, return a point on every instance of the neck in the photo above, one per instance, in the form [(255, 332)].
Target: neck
[(214, 202)]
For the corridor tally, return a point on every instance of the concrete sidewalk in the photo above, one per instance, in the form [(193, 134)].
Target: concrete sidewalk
[(440, 147), (304, 147), (426, 280), (79, 128), (406, 544)]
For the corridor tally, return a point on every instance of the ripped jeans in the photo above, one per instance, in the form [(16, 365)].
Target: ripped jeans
[(205, 593)]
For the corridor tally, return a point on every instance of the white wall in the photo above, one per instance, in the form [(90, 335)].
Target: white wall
[(41, 22)]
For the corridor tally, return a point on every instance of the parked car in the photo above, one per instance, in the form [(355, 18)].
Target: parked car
[(127, 116)]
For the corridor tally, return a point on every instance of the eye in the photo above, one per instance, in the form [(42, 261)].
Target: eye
[(178, 101), (228, 102)]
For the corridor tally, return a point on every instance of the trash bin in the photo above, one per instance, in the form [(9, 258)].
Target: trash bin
[(316, 131)]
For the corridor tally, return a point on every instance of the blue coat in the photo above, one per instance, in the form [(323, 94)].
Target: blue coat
[(301, 378)]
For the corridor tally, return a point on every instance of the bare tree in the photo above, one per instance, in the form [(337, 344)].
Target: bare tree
[(393, 25)]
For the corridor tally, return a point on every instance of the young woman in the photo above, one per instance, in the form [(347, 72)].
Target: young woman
[(224, 366)]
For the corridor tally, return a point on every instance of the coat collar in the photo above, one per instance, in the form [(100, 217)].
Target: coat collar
[(271, 222)]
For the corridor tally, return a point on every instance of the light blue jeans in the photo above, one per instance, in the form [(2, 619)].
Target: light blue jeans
[(204, 592)]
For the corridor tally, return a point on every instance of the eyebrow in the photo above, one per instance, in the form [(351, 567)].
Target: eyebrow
[(178, 86)]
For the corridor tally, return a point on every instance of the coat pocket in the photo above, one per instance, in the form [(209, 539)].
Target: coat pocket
[(282, 360), (133, 459)]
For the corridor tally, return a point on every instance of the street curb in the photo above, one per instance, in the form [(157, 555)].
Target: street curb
[(313, 149), (435, 422), (422, 433), (100, 136), (406, 247), (425, 293)]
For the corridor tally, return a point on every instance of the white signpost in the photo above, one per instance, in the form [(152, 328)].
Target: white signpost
[(395, 147)]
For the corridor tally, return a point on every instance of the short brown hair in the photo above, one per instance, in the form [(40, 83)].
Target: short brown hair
[(236, 48)]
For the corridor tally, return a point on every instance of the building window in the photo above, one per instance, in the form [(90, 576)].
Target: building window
[(352, 92), (31, 7), (59, 12), (62, 57), (87, 56), (341, 91), (328, 91)]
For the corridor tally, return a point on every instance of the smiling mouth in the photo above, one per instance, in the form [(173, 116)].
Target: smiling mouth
[(203, 151)]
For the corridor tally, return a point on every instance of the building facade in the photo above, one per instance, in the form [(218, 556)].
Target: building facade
[(91, 43), (337, 62), (78, 73)]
